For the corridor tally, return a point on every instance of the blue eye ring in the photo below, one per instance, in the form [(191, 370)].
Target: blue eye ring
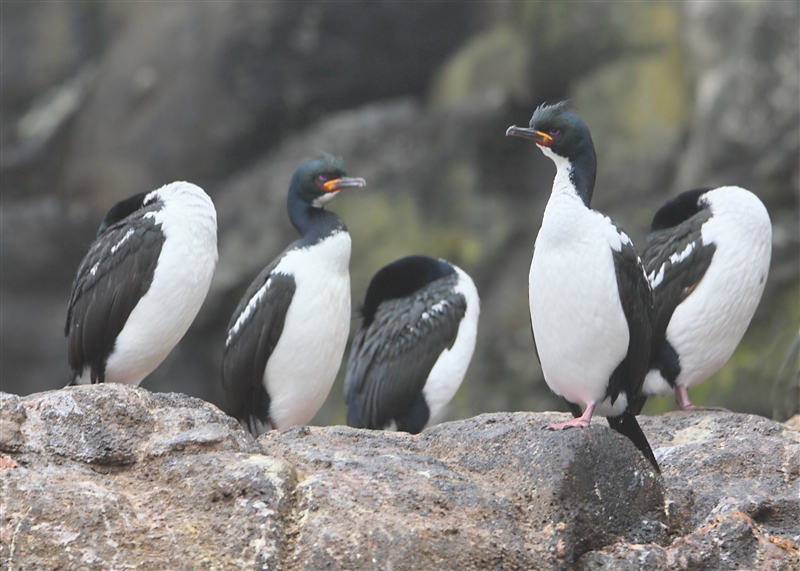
[(555, 132)]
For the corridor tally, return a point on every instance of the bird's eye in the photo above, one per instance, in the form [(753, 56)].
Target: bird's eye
[(322, 178), (555, 132)]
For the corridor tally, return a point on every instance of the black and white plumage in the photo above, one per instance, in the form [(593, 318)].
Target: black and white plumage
[(141, 284), (707, 258), (420, 321), (286, 339), (589, 298)]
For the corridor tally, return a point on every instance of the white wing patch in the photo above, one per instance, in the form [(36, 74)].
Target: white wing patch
[(249, 308), (124, 239), (438, 307), (656, 279), (680, 256), (644, 272)]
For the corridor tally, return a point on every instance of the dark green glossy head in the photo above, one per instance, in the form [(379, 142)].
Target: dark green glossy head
[(317, 181), (561, 133)]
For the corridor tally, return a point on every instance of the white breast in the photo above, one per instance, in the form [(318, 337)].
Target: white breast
[(579, 326), (451, 366), (180, 284), (303, 366), (706, 328)]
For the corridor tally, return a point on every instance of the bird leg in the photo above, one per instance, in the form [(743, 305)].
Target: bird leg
[(582, 421), (682, 398)]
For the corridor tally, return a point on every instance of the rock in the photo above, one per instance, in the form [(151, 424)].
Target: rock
[(114, 476), (115, 425), (762, 486), (495, 489)]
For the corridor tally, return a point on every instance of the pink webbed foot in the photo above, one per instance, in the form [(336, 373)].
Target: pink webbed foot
[(581, 422), (682, 398), (691, 407)]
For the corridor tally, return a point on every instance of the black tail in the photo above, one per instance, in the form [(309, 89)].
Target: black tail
[(637, 404), (626, 425)]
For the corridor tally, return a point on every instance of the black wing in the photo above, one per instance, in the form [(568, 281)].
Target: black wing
[(637, 304), (390, 360), (676, 260), (116, 272), (253, 333)]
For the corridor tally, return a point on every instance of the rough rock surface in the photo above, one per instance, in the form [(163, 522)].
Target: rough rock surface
[(114, 477)]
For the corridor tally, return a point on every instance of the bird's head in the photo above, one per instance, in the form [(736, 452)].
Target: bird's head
[(557, 128), (318, 181), (124, 208), (566, 140)]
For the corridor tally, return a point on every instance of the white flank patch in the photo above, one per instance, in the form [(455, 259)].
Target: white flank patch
[(303, 366), (180, 283), (656, 384), (706, 328), (249, 308), (451, 366)]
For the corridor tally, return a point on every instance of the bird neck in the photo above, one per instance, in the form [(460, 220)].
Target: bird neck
[(312, 222), (574, 176)]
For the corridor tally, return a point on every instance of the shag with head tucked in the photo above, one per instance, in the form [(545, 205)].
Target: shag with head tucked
[(707, 259), (141, 284), (415, 343)]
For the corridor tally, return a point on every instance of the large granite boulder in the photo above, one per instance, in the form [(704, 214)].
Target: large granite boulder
[(110, 477)]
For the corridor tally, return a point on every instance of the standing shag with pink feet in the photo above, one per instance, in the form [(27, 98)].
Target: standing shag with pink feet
[(590, 301)]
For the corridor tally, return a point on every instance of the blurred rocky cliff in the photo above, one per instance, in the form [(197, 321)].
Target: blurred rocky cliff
[(103, 100)]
